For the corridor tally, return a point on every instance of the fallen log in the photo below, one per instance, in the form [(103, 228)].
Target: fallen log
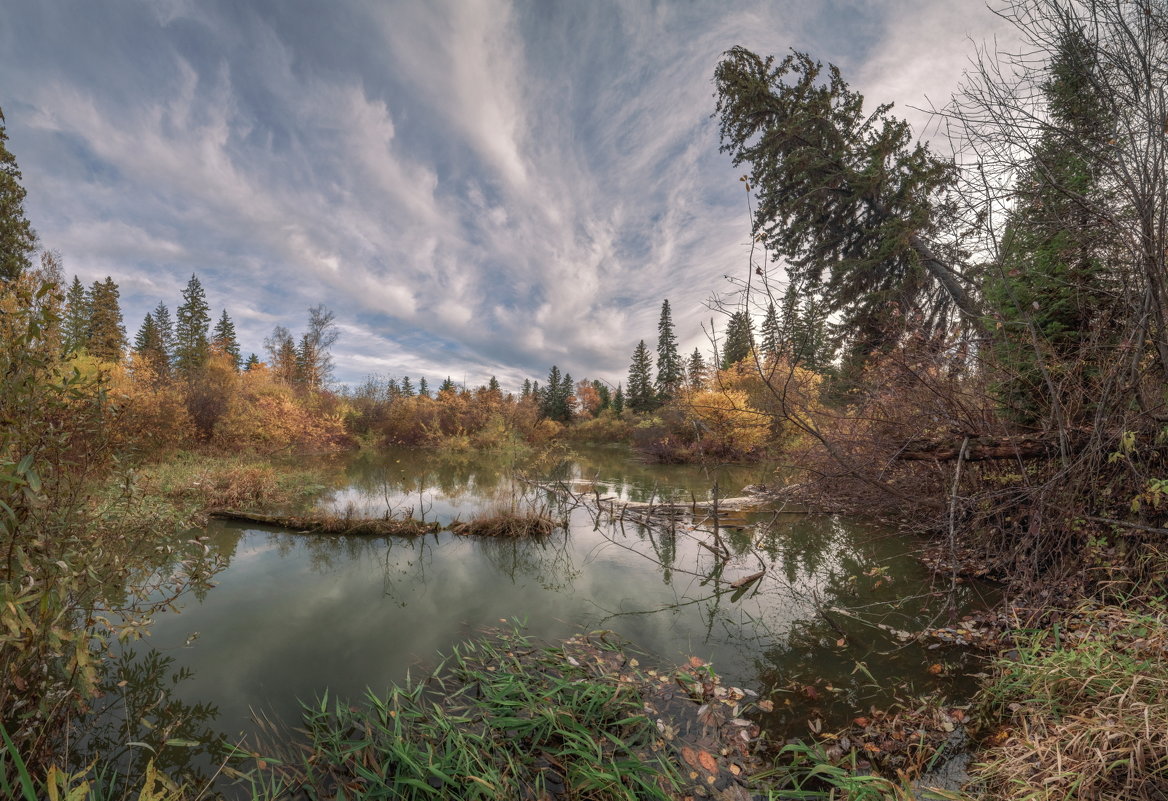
[(986, 449), (328, 524)]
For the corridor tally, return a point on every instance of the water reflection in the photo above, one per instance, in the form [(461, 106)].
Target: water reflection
[(296, 614)]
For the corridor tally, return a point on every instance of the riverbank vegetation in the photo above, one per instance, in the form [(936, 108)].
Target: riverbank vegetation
[(974, 347)]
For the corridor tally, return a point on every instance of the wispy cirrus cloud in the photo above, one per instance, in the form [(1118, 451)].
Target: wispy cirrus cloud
[(475, 188)]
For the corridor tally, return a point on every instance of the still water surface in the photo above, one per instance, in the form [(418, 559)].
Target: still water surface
[(294, 615)]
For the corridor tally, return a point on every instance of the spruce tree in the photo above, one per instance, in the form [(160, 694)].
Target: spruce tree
[(407, 387), (670, 373), (107, 335), (769, 333), (17, 240), (148, 346), (252, 362), (423, 388), (165, 332), (641, 397), (224, 341), (554, 404), (603, 393), (1051, 292), (192, 344), (618, 400), (447, 387), (75, 326), (696, 370), (739, 340), (566, 398), (526, 392)]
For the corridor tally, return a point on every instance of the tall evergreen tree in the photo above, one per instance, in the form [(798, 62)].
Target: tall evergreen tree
[(670, 372), (641, 397), (1051, 293), (149, 348), (423, 388), (17, 240), (739, 339), (75, 326), (107, 334), (769, 334), (618, 400), (696, 370), (494, 388), (407, 387), (555, 403), (603, 393), (192, 343), (447, 387), (526, 392), (845, 196), (224, 341), (165, 330), (252, 362)]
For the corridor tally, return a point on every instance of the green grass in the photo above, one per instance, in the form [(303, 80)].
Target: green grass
[(502, 718)]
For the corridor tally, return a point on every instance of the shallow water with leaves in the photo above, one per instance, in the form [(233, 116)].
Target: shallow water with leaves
[(819, 636)]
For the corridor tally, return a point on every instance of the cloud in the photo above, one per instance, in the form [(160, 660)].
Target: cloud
[(475, 188)]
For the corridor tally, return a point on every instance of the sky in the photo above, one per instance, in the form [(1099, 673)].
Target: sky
[(473, 187)]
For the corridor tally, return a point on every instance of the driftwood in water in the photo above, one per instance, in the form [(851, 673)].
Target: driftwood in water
[(333, 524), (983, 449)]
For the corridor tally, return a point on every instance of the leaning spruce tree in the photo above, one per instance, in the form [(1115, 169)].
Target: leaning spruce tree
[(845, 197)]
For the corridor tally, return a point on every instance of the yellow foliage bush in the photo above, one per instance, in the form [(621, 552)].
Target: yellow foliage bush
[(728, 418), (268, 415), (151, 415)]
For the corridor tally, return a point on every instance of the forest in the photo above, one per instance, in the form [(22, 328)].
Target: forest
[(967, 344)]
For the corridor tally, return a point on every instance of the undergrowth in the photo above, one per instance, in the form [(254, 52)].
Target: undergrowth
[(501, 718), (1083, 709)]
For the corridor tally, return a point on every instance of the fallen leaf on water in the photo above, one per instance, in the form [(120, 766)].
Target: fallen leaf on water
[(767, 705), (708, 761)]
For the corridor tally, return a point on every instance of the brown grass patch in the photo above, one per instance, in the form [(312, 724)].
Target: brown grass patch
[(1082, 710), (512, 523)]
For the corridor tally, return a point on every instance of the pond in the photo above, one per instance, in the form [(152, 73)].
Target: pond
[(296, 615)]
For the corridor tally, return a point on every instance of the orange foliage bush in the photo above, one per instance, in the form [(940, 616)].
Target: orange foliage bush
[(151, 415), (268, 415)]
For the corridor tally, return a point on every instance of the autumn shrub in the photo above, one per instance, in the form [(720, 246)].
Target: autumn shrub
[(267, 415), (79, 568), (606, 427), (152, 414)]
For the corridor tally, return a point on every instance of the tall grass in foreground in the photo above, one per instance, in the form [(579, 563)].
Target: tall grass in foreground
[(501, 718), (1084, 710)]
